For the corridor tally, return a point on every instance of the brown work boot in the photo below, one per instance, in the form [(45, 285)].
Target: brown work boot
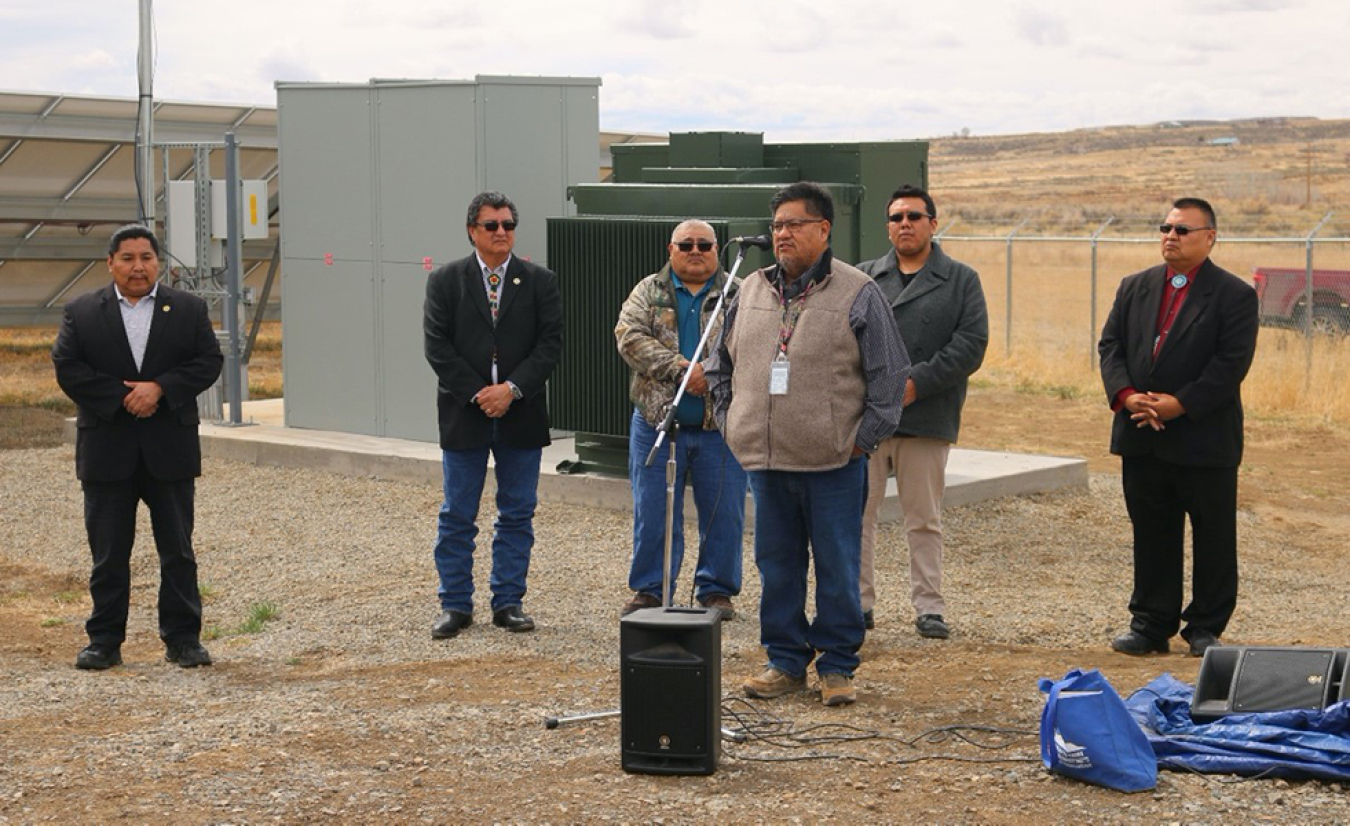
[(639, 601), (720, 603), (773, 683), (837, 690)]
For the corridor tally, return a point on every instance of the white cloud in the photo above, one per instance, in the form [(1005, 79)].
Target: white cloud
[(797, 69), (1041, 28)]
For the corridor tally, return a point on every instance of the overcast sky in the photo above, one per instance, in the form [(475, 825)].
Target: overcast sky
[(793, 69)]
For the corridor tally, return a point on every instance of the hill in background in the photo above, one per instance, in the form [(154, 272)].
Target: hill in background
[(1265, 176)]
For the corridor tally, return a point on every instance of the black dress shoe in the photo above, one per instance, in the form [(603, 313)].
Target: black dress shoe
[(1202, 641), (869, 620), (1137, 645), (187, 654), (512, 619), (98, 657), (450, 624)]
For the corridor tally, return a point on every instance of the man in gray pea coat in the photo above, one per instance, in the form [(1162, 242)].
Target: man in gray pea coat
[(940, 310)]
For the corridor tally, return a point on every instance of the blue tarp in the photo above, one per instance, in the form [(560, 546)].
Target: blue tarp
[(1296, 745)]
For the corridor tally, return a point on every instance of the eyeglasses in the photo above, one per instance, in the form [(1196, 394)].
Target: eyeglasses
[(688, 246), (1181, 229), (914, 217), (791, 227), (491, 226)]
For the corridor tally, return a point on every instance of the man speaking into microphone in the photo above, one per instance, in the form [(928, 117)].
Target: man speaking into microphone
[(657, 333)]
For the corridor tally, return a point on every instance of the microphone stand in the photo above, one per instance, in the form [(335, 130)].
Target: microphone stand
[(668, 426)]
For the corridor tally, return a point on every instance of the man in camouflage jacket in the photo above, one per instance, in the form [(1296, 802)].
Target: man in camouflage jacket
[(658, 330)]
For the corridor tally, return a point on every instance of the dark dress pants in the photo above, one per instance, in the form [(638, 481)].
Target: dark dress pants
[(1159, 495), (110, 520)]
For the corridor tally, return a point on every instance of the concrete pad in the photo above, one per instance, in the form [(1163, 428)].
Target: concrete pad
[(972, 475)]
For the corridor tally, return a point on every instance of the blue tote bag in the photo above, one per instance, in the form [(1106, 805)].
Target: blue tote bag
[(1089, 735)]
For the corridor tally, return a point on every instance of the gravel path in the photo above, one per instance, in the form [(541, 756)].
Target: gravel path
[(343, 708)]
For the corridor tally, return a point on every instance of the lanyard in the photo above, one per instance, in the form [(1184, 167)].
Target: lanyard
[(792, 313)]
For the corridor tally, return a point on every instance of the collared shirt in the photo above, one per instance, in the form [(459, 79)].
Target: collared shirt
[(688, 312), (885, 364), (136, 319)]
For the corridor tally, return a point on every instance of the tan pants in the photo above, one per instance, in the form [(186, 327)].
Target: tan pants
[(920, 468)]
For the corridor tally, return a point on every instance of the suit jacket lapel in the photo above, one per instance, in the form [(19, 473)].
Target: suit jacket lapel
[(117, 331), (158, 323)]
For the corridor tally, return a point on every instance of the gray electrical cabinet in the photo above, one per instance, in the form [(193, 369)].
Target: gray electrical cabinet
[(375, 179)]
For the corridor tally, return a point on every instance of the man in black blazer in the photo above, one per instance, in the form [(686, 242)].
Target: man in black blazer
[(134, 356), (493, 326), (1174, 352)]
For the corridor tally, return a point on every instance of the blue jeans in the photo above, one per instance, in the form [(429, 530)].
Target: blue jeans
[(822, 510), (513, 534), (719, 496)]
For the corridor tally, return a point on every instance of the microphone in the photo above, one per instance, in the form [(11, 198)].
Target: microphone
[(760, 241)]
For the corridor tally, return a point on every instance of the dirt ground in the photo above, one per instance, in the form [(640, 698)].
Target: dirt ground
[(365, 743)]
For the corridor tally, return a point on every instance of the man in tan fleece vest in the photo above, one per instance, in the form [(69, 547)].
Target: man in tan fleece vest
[(806, 380)]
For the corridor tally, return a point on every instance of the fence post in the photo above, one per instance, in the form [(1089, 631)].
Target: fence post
[(1007, 293), (1092, 302), (1308, 310)]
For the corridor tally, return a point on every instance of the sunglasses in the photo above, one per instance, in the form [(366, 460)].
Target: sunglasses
[(688, 246), (914, 217), (491, 226), (1181, 229)]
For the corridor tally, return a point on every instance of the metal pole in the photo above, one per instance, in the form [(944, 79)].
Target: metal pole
[(1008, 293), (234, 245), (1308, 309), (145, 118), (1092, 301)]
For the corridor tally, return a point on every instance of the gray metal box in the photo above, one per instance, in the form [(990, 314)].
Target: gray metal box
[(376, 179)]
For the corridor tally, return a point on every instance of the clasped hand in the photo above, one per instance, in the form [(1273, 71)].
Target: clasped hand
[(1153, 409), (143, 400)]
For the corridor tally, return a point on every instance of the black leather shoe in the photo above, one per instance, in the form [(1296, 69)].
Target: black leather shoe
[(1202, 641), (512, 619), (98, 657), (1137, 645), (189, 654), (932, 626), (869, 621), (450, 624)]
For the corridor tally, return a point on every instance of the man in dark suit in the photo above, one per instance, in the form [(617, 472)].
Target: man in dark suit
[(1174, 352), (134, 356), (493, 326)]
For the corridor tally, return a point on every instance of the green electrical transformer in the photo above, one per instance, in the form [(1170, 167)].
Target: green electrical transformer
[(620, 233)]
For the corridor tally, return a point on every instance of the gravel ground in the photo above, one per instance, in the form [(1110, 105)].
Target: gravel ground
[(343, 707)]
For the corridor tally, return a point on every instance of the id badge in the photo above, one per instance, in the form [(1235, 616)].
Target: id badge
[(778, 376)]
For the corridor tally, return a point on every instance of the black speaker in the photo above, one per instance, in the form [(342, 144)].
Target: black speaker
[(670, 690), (1240, 680)]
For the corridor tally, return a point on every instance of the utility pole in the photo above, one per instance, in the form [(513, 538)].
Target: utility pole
[(145, 169), (1307, 202)]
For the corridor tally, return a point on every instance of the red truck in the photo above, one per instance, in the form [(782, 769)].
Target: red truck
[(1284, 300)]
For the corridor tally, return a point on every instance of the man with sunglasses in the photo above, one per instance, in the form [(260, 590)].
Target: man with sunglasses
[(1174, 351), (940, 310), (806, 380), (493, 328), (658, 329)]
